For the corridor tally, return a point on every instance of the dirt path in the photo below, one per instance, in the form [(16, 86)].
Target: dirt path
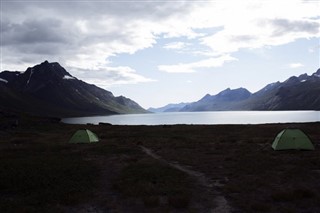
[(220, 201)]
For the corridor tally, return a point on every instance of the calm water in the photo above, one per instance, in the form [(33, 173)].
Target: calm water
[(225, 117)]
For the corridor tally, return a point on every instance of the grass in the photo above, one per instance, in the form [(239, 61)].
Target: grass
[(41, 172), (295, 194), (151, 180), (243, 155), (45, 180)]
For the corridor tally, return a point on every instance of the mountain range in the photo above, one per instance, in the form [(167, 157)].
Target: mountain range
[(296, 93), (169, 108), (48, 89)]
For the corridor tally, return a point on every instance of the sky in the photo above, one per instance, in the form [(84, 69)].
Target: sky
[(160, 52)]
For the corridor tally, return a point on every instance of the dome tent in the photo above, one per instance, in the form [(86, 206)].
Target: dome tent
[(292, 139), (84, 136)]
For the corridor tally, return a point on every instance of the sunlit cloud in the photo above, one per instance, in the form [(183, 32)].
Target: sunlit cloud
[(175, 45), (296, 65), (108, 76), (192, 67)]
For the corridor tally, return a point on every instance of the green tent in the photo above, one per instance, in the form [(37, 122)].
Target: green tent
[(292, 139), (84, 136)]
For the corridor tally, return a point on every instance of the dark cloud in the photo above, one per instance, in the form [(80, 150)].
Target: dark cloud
[(31, 32), (153, 10), (284, 26), (51, 27)]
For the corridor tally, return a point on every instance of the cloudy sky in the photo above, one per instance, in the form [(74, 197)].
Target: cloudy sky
[(159, 52)]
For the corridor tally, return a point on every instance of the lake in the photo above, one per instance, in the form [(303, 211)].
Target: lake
[(220, 117)]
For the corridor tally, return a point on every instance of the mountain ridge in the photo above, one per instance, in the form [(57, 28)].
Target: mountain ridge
[(48, 89), (295, 93), (168, 108)]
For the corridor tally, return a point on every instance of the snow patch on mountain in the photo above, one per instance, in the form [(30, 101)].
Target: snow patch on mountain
[(30, 76), (3, 80), (67, 77)]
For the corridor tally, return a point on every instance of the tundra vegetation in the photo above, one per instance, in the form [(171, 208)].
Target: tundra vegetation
[(195, 165)]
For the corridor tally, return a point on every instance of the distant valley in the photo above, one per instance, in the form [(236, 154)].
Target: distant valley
[(296, 93), (47, 89)]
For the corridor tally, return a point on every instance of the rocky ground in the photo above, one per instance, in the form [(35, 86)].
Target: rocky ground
[(179, 168)]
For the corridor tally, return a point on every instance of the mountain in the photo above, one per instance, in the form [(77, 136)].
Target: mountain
[(169, 108), (296, 93), (48, 89), (221, 101)]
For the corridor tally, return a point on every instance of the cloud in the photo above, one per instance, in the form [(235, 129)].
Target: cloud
[(107, 76), (175, 45), (296, 65), (284, 26), (261, 33), (243, 38), (85, 35), (262, 24), (32, 31), (192, 67)]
